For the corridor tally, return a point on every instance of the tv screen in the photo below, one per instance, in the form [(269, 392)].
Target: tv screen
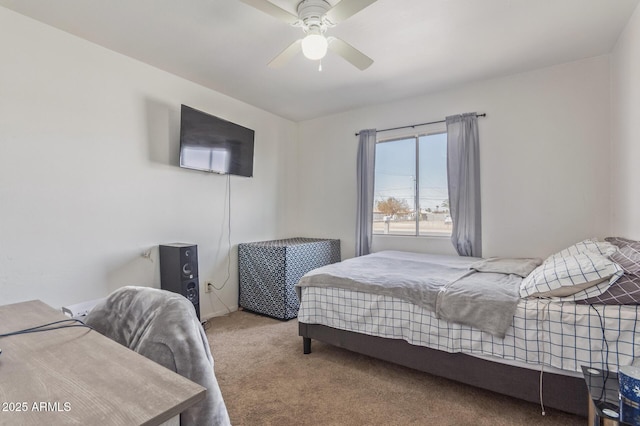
[(214, 145)]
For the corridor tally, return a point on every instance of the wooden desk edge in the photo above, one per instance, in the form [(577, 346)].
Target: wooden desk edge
[(175, 411)]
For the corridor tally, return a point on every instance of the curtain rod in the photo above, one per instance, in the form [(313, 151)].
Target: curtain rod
[(416, 125)]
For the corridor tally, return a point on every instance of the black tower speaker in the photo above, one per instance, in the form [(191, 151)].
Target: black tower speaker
[(179, 271)]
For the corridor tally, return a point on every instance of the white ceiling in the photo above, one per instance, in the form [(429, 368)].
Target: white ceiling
[(419, 46)]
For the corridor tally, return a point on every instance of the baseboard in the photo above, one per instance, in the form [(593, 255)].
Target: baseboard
[(218, 313)]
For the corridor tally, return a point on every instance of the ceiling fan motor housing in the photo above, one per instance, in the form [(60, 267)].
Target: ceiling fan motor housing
[(312, 14)]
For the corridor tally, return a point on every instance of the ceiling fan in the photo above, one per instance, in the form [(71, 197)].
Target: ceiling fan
[(315, 17)]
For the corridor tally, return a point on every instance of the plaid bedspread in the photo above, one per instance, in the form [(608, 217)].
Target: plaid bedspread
[(561, 335)]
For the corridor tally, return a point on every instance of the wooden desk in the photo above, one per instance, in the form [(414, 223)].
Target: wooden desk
[(78, 376)]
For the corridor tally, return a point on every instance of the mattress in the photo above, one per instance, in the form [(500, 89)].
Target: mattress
[(558, 335)]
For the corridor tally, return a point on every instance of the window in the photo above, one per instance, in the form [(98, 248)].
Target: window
[(410, 192)]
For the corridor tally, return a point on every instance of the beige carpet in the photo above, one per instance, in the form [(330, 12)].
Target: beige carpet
[(266, 380)]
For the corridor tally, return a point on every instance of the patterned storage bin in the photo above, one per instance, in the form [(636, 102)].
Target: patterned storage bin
[(269, 270)]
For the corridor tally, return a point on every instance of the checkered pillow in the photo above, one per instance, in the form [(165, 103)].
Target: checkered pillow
[(619, 241), (591, 245), (628, 257), (625, 291), (571, 277)]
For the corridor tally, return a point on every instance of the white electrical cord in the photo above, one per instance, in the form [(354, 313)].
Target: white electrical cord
[(541, 399), (228, 214), (543, 412)]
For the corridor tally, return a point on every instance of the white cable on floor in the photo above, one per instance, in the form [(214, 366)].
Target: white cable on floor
[(542, 370), (541, 401)]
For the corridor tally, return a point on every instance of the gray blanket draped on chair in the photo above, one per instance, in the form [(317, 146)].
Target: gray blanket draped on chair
[(163, 327)]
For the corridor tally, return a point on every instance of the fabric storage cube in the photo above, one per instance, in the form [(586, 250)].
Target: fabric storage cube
[(269, 270)]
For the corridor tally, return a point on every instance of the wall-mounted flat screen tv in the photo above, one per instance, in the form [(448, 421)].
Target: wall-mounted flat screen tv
[(211, 144)]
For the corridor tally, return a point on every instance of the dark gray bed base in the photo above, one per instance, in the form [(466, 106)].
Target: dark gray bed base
[(564, 393)]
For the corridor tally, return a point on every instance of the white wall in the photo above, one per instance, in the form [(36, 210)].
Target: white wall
[(544, 160), (625, 77), (89, 177)]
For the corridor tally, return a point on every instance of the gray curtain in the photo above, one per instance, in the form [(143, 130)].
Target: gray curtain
[(463, 172), (365, 170)]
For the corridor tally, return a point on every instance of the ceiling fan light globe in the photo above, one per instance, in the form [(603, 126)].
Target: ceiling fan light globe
[(314, 46)]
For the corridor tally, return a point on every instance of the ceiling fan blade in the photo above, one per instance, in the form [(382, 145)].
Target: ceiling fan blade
[(347, 8), (286, 55), (350, 53), (273, 10)]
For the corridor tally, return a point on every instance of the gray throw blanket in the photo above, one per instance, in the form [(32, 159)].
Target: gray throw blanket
[(484, 300), (444, 285), (163, 327), (507, 265)]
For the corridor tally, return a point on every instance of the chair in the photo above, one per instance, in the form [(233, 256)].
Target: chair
[(163, 327)]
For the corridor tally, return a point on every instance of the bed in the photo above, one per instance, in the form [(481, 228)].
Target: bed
[(555, 325)]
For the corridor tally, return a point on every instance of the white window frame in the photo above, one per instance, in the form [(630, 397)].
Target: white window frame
[(433, 129)]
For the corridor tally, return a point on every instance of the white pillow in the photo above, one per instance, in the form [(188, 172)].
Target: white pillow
[(591, 245), (571, 277)]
